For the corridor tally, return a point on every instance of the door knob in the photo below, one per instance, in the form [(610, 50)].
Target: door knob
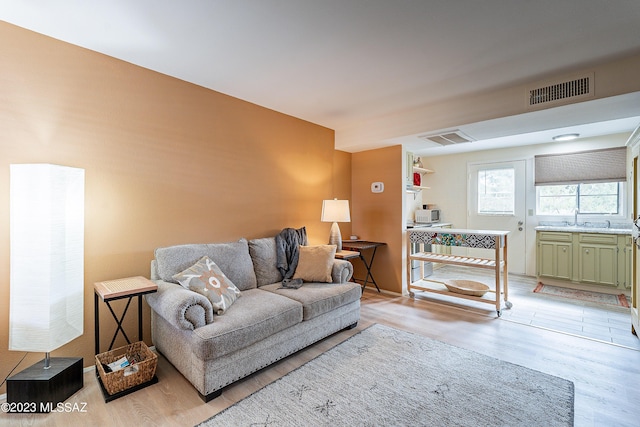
[(522, 223)]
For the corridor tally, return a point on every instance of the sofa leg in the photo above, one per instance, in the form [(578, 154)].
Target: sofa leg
[(209, 397), (353, 325)]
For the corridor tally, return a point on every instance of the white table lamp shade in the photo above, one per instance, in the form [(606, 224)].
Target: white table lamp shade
[(335, 211), (47, 256)]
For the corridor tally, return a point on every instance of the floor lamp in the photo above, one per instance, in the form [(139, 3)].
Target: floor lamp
[(46, 305), (335, 211)]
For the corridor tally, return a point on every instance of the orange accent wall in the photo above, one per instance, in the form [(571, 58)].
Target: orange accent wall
[(167, 162), (378, 216)]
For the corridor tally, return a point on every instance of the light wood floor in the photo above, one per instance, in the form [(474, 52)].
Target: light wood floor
[(603, 322), (606, 376)]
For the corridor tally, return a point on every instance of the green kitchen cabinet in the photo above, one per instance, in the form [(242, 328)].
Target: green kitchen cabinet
[(598, 264), (598, 259), (555, 255), (601, 259)]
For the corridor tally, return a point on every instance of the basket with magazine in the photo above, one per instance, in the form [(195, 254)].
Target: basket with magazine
[(126, 367)]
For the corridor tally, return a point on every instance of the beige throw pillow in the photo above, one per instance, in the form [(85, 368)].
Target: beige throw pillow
[(206, 278), (315, 263)]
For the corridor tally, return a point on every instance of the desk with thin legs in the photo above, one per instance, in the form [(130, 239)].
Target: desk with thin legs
[(361, 246)]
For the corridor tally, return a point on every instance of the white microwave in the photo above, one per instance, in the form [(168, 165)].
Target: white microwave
[(427, 215)]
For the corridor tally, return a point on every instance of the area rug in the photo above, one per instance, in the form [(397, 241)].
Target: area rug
[(386, 377), (595, 297)]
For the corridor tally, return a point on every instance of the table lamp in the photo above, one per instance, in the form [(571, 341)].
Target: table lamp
[(335, 211), (46, 280)]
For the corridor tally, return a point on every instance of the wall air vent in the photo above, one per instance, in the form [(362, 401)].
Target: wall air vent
[(560, 92), (447, 138)]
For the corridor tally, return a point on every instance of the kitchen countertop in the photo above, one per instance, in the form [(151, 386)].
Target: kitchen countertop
[(583, 229), (413, 225)]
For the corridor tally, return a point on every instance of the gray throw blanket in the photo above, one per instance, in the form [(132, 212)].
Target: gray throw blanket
[(287, 253)]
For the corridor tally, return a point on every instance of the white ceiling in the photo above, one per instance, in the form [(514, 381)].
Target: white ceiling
[(340, 63)]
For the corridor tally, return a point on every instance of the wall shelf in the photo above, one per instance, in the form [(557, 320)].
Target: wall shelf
[(422, 170), (418, 188)]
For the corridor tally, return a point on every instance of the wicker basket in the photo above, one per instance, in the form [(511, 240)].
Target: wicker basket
[(115, 382)]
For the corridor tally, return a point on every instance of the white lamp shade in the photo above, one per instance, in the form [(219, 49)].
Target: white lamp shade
[(47, 256), (335, 211)]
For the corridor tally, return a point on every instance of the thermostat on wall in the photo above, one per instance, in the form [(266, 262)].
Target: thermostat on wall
[(377, 187)]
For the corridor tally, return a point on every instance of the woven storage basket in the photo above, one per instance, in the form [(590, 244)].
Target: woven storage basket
[(115, 382)]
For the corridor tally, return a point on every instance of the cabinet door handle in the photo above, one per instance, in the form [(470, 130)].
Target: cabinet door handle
[(586, 251)]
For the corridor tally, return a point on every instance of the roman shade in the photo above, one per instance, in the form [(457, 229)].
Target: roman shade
[(605, 165)]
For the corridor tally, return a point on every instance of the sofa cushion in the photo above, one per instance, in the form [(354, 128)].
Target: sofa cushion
[(256, 315), (319, 298), (206, 278), (233, 259), (265, 260), (315, 263)]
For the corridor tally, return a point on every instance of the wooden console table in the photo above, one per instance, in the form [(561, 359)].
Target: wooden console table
[(483, 239)]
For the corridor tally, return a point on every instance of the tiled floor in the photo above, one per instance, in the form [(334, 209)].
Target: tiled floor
[(591, 320)]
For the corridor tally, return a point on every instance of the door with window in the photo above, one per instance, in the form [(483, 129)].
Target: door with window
[(497, 201)]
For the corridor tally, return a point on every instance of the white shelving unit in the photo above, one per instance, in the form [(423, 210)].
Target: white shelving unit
[(417, 188)]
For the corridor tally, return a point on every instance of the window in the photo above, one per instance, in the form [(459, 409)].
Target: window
[(496, 188), (603, 198)]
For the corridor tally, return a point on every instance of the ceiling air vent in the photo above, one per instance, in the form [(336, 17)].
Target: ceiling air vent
[(448, 138), (561, 92)]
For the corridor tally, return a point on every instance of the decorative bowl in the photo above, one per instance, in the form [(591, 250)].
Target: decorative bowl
[(467, 287)]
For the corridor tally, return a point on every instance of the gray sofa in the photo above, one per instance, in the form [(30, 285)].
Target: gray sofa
[(265, 324)]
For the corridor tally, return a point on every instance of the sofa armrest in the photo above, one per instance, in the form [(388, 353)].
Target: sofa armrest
[(342, 271), (179, 306)]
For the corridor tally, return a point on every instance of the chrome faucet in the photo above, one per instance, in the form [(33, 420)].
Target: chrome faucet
[(575, 216)]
